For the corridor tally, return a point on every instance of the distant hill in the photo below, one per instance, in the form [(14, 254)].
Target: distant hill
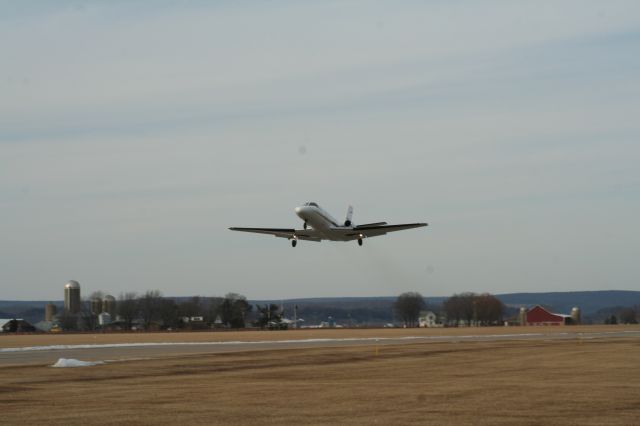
[(31, 311), (24, 304)]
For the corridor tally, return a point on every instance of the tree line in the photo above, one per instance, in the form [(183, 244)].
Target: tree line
[(150, 310), (474, 309), (464, 308), (628, 315)]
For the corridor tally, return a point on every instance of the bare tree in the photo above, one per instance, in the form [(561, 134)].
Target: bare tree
[(213, 309), (489, 309), (461, 307), (149, 307), (453, 309), (87, 319), (627, 316), (483, 309), (234, 309), (98, 294), (128, 308), (408, 306), (269, 316), (192, 307), (468, 307), (168, 313)]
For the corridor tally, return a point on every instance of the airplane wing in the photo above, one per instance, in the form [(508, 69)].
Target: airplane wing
[(375, 229), (301, 234)]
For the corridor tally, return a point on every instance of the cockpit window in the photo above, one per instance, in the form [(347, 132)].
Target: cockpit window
[(311, 204)]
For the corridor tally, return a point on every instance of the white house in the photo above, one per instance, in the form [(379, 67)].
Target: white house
[(427, 319)]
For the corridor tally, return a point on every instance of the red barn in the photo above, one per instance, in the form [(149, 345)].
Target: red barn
[(540, 316)]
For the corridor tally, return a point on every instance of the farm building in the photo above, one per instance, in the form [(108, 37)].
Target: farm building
[(13, 325), (540, 316)]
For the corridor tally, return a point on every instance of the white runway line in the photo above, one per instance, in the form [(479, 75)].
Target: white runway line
[(245, 342), (294, 341)]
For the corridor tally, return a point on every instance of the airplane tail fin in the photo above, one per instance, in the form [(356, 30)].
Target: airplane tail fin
[(347, 221)]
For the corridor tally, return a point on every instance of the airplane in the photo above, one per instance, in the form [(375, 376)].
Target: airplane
[(320, 225)]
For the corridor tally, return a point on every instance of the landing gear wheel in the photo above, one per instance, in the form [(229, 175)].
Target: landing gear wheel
[(293, 243), (304, 225), (359, 241)]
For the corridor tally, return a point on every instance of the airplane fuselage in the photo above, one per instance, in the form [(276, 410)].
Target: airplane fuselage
[(321, 221), (320, 225)]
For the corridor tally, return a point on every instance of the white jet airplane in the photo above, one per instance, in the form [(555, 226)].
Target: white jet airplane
[(319, 225)]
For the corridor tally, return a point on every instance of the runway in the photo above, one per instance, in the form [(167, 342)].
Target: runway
[(119, 352)]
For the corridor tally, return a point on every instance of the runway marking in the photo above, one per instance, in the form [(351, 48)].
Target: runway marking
[(299, 341)]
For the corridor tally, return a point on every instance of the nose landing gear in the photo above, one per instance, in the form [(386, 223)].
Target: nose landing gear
[(294, 242)]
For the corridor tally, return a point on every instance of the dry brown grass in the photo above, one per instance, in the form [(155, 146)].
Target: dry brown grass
[(515, 382)]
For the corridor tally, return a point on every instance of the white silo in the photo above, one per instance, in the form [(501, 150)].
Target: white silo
[(50, 311), (109, 305), (96, 306), (72, 302), (575, 315), (522, 316)]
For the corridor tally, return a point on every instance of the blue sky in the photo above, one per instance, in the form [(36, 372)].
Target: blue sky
[(132, 134)]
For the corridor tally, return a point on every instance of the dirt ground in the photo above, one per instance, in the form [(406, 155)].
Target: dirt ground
[(594, 381)]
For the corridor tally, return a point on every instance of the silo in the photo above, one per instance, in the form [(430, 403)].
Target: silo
[(522, 316), (109, 305), (72, 302), (96, 306), (50, 311), (104, 318), (575, 315)]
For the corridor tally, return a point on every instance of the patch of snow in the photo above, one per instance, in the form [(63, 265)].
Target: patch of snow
[(70, 362)]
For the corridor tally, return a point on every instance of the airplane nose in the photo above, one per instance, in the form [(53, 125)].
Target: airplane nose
[(300, 211)]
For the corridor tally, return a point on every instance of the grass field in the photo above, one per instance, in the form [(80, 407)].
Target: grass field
[(594, 381)]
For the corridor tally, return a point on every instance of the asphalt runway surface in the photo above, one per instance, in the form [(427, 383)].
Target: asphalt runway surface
[(48, 355)]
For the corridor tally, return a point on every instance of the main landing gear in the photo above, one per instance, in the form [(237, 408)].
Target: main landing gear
[(359, 241), (294, 242), (304, 225)]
